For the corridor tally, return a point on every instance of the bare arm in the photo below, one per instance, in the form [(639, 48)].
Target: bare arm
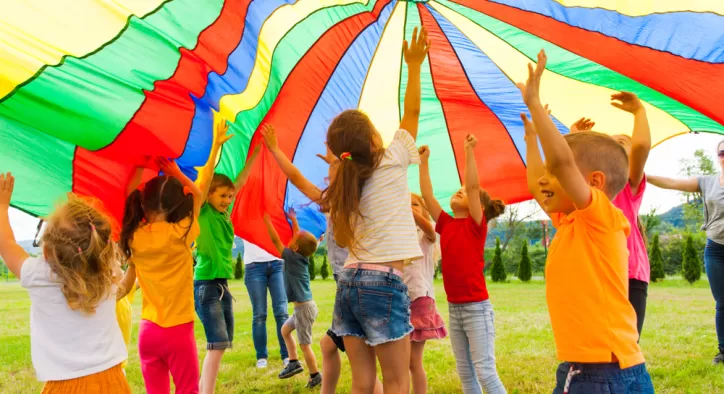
[(135, 180), (295, 223), (10, 251), (288, 168), (533, 160), (640, 139), (425, 225), (559, 158), (415, 54), (172, 169), (129, 279), (207, 173), (244, 174), (426, 184), (690, 185), (472, 182), (273, 234)]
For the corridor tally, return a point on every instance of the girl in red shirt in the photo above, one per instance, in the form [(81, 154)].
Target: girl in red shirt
[(462, 240)]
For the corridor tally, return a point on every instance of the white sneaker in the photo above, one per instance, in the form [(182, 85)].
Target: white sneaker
[(261, 363), (285, 362)]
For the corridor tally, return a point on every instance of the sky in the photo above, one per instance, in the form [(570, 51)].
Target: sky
[(664, 160)]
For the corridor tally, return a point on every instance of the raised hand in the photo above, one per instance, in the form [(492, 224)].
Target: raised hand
[(292, 214), (328, 157), (627, 101), (7, 184), (169, 167), (470, 141), (270, 137), (221, 128), (583, 124), (531, 89), (424, 152), (416, 51)]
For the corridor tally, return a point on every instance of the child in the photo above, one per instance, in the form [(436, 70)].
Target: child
[(418, 277), (214, 262), (330, 344), (296, 282), (368, 203), (629, 199), (75, 341), (124, 314), (159, 225), (462, 242), (587, 264)]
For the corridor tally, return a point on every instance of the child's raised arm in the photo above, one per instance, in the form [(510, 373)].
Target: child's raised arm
[(134, 181), (170, 168), (415, 54), (426, 184), (10, 251), (127, 283), (244, 174), (425, 225), (559, 157), (273, 234), (472, 182), (288, 168), (534, 162), (207, 173), (293, 217), (640, 139)]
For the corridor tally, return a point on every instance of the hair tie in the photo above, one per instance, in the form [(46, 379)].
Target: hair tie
[(346, 155), (187, 191), (80, 250), (93, 227)]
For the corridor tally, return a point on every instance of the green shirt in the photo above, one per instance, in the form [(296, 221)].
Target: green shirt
[(214, 245)]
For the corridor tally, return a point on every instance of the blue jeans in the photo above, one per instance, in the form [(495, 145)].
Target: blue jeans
[(714, 264), (258, 278), (212, 301), (472, 334), (373, 305), (603, 379)]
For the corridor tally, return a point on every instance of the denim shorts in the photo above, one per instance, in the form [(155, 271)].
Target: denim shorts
[(212, 301), (371, 304), (606, 378)]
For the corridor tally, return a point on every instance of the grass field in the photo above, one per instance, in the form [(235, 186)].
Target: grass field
[(678, 341)]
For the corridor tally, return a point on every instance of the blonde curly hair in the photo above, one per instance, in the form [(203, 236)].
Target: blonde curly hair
[(77, 244)]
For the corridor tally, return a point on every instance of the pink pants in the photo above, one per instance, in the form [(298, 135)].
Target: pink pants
[(163, 350)]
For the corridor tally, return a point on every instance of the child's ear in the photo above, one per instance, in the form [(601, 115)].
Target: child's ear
[(597, 179)]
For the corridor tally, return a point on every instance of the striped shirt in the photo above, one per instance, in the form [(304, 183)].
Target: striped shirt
[(386, 231)]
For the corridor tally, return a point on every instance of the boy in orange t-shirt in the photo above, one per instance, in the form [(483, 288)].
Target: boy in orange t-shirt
[(594, 324)]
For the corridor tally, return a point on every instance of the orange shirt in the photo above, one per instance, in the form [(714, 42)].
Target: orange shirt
[(161, 253), (587, 286)]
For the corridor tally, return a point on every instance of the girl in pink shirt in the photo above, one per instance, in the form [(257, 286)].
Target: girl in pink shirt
[(629, 200)]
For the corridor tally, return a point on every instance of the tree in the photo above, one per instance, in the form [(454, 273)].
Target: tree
[(513, 219), (438, 269), (497, 271), (524, 268), (649, 221), (657, 261), (238, 268), (312, 270), (691, 265), (325, 268)]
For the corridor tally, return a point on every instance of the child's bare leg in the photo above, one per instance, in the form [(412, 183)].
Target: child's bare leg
[(210, 370), (290, 341), (309, 359), (417, 370), (331, 365)]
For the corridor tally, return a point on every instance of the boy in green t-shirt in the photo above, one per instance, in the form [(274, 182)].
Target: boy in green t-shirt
[(214, 265)]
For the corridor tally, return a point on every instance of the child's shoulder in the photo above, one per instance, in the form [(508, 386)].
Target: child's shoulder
[(602, 214)]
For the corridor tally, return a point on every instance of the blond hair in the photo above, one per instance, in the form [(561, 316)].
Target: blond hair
[(77, 246), (421, 200), (599, 152)]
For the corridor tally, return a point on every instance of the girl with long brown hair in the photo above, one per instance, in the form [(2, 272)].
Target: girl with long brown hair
[(369, 206), (75, 341)]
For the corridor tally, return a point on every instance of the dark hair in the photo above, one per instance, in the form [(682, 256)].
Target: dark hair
[(600, 152), (491, 208), (306, 244), (350, 132), (642, 230), (220, 180), (162, 194)]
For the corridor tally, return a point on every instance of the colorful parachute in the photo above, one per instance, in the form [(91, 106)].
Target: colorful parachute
[(90, 87)]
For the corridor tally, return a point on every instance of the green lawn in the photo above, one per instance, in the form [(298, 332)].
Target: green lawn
[(679, 342)]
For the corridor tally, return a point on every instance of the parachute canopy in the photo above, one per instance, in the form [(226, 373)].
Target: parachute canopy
[(89, 88)]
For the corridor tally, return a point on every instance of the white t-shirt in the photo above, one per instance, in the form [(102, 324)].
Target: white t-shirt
[(387, 231), (67, 344), (255, 254), (418, 276)]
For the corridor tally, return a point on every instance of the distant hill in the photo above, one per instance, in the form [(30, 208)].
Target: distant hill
[(674, 216), (28, 246)]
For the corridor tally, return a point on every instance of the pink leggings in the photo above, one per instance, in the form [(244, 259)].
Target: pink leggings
[(171, 349)]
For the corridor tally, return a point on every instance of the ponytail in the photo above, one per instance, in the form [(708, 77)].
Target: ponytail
[(133, 215)]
